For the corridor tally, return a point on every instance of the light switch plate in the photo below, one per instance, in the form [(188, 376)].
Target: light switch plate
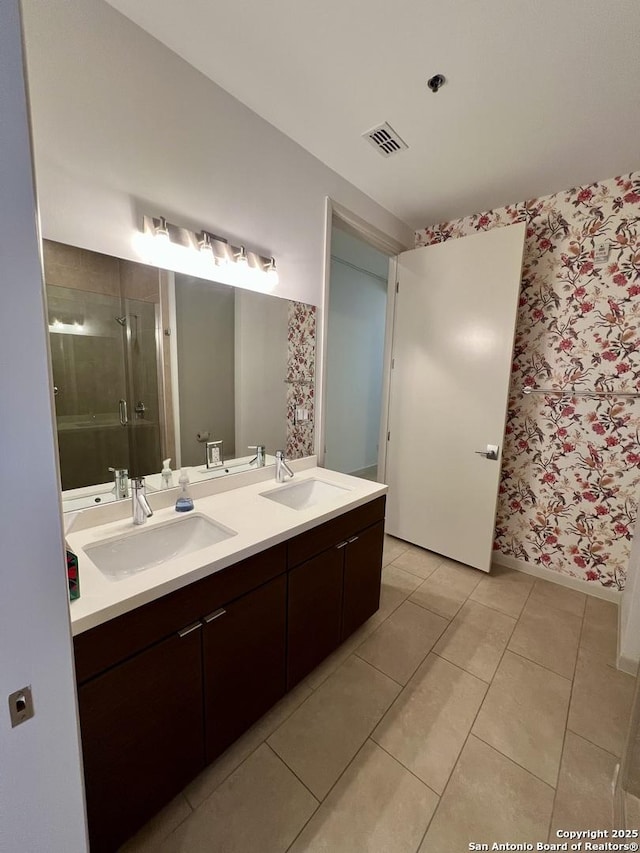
[(601, 251), (21, 706)]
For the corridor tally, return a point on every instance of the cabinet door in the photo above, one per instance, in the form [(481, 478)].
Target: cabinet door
[(315, 612), (362, 577), (142, 736), (244, 663)]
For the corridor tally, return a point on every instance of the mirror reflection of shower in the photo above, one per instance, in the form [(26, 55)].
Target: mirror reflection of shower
[(129, 323)]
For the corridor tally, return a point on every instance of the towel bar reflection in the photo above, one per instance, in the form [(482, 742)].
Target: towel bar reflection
[(572, 392)]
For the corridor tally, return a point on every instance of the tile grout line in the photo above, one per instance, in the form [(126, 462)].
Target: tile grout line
[(404, 767), (323, 800), (409, 572), (453, 769), (470, 732), (377, 669), (566, 723), (422, 660), (593, 743), (245, 759), (541, 665), (326, 796), (318, 800), (517, 763), (497, 749)]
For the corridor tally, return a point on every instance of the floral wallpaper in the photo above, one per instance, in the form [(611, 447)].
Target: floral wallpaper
[(571, 465), (301, 369)]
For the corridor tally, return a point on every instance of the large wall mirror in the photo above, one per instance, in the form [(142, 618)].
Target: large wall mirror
[(150, 365)]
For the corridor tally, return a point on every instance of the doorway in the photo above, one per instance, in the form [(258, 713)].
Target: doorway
[(356, 322)]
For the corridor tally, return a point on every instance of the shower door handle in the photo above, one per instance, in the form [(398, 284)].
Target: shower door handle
[(122, 409)]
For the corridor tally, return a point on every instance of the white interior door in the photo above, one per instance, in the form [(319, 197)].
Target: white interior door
[(453, 336)]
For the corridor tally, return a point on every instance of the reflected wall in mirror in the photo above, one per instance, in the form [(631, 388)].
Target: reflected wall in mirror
[(149, 365)]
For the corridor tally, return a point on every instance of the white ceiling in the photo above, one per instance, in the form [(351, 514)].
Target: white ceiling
[(541, 95)]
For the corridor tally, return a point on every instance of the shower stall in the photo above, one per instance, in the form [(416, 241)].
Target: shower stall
[(105, 374)]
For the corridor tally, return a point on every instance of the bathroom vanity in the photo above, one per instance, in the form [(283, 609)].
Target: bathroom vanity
[(177, 660)]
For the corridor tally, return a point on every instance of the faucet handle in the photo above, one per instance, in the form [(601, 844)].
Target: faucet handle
[(121, 479), (259, 458)]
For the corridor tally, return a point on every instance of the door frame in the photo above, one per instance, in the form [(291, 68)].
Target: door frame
[(363, 230)]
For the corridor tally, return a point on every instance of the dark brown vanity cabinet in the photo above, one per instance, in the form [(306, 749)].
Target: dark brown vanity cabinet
[(335, 587), (314, 613), (166, 688), (244, 663), (362, 577), (141, 736)]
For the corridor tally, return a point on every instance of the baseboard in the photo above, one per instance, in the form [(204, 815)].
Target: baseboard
[(589, 587), (628, 665)]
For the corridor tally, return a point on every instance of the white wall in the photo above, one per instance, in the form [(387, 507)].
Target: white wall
[(41, 796), (355, 350), (123, 126), (261, 367), (206, 354)]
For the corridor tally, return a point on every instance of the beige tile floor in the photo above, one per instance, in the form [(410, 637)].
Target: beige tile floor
[(471, 707)]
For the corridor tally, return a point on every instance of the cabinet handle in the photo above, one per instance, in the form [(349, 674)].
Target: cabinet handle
[(215, 615), (353, 539), (341, 545), (189, 629)]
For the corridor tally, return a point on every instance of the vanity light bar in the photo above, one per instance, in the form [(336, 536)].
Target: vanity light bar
[(219, 248)]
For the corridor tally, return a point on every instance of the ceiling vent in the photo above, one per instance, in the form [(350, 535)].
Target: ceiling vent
[(385, 139)]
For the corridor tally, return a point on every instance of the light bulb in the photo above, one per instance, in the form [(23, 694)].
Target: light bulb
[(205, 246), (272, 273), (241, 257), (162, 231)]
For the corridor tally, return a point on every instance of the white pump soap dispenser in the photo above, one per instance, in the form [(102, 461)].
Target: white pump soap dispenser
[(166, 475), (185, 501)]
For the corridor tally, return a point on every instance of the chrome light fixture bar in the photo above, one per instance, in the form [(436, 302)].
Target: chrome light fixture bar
[(210, 245)]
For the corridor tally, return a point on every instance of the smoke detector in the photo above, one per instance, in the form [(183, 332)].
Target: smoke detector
[(385, 139)]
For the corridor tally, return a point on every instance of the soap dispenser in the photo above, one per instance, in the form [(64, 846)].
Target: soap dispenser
[(185, 501), (166, 475)]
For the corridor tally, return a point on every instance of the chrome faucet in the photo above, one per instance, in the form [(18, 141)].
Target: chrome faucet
[(260, 457), (282, 469), (121, 478), (139, 503)]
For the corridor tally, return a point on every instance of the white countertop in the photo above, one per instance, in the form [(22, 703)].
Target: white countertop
[(259, 523)]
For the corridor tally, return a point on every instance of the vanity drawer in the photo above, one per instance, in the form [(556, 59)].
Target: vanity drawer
[(326, 535), (106, 645)]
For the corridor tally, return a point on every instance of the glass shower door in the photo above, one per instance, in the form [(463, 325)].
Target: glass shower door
[(141, 328), (87, 334), (104, 362)]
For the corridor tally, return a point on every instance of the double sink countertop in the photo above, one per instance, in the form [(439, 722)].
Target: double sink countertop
[(256, 522)]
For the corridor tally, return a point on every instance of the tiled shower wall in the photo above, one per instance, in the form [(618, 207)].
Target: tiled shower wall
[(571, 466)]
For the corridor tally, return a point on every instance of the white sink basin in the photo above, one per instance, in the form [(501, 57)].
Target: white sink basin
[(139, 550), (305, 494)]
